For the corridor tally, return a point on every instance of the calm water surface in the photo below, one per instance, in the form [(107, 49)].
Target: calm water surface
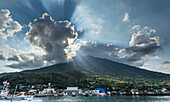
[(108, 99)]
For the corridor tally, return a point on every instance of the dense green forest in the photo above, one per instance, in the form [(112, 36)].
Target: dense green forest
[(84, 79)]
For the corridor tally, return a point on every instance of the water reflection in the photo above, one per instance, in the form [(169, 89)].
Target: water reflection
[(108, 99)]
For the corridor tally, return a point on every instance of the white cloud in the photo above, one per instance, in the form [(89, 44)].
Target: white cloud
[(142, 38), (7, 25), (136, 27), (126, 17), (164, 65), (142, 46)]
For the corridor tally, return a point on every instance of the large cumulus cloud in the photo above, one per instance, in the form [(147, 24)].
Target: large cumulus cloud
[(52, 38), (142, 46), (7, 25)]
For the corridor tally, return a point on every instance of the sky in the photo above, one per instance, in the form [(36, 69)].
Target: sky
[(38, 33)]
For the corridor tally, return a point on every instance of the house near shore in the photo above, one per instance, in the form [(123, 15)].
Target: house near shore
[(93, 92), (114, 92), (150, 91), (69, 90), (32, 92), (48, 90)]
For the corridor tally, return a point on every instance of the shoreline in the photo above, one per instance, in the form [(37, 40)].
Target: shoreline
[(141, 95)]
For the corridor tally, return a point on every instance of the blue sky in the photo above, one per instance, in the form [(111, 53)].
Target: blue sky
[(131, 32)]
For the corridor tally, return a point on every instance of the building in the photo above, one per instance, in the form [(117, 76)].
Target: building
[(69, 90), (72, 88), (48, 91), (32, 92), (150, 91), (93, 92)]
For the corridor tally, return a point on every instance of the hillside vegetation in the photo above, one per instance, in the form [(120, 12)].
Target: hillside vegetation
[(97, 73)]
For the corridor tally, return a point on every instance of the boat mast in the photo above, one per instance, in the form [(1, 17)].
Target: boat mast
[(14, 92)]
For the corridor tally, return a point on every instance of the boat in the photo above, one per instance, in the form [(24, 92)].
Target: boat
[(109, 93), (73, 94), (20, 97), (101, 94), (3, 93), (21, 100), (55, 94)]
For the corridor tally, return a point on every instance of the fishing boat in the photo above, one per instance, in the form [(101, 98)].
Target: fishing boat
[(21, 95), (21, 100), (101, 94), (3, 93), (6, 97)]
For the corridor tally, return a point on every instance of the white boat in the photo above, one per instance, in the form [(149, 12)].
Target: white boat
[(3, 93), (5, 97), (17, 98), (73, 94), (21, 95), (21, 100), (101, 94), (55, 94)]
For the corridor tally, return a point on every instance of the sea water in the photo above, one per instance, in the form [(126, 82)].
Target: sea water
[(107, 99)]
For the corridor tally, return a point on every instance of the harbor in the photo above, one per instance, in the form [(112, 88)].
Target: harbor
[(37, 95)]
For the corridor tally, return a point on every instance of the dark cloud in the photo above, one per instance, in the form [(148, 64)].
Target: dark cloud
[(166, 62), (49, 36), (52, 36), (26, 65), (138, 52), (101, 50), (2, 56)]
